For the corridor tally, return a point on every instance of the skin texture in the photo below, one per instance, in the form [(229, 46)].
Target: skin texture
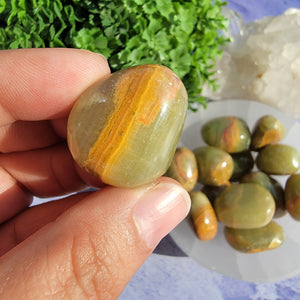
[(84, 246)]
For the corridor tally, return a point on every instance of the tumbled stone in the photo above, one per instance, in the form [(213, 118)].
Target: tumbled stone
[(184, 168), (273, 186), (228, 133), (124, 129), (243, 162), (260, 239), (292, 196), (215, 166), (245, 206), (268, 130), (278, 159), (203, 215)]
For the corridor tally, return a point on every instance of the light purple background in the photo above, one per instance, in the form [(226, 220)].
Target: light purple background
[(169, 274)]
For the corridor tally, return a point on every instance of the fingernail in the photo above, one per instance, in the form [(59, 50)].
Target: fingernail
[(159, 210)]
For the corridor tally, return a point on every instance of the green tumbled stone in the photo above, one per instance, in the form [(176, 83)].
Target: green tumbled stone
[(278, 159), (203, 215), (228, 133), (268, 130), (273, 186), (243, 162), (215, 166), (124, 129), (245, 206), (184, 168), (260, 239), (292, 196)]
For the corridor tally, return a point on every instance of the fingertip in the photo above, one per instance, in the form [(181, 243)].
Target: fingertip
[(41, 84), (97, 59)]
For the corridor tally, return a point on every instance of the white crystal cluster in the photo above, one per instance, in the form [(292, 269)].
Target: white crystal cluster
[(262, 63)]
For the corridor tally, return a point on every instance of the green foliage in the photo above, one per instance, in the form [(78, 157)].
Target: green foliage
[(183, 35)]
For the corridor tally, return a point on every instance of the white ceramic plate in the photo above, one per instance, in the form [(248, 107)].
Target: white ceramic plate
[(217, 255)]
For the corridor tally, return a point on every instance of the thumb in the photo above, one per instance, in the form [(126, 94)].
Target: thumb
[(93, 249)]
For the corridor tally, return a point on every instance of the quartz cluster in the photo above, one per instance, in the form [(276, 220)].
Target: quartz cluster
[(262, 62)]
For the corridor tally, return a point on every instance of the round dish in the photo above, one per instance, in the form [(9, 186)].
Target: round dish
[(217, 255)]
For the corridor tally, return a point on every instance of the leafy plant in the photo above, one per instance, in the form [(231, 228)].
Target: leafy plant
[(183, 35)]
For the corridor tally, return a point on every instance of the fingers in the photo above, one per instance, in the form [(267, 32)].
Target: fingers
[(45, 172), (23, 136), (26, 223), (40, 84), (96, 245), (13, 198)]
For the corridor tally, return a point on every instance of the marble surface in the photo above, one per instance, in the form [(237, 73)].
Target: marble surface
[(170, 274)]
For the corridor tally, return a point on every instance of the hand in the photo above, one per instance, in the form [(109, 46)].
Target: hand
[(87, 245)]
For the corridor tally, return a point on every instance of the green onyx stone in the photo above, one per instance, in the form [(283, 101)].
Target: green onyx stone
[(243, 162), (125, 128), (245, 206), (203, 216), (215, 166), (292, 196), (278, 159), (260, 239), (228, 133), (268, 130), (184, 168), (273, 186)]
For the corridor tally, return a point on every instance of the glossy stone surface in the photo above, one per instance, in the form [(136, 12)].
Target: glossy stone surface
[(292, 196), (268, 130), (255, 240), (278, 159), (184, 168), (228, 133), (124, 129), (243, 162), (273, 186), (245, 206), (215, 166), (203, 215)]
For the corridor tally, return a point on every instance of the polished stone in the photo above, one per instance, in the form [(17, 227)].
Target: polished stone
[(243, 163), (203, 215), (124, 129), (184, 168), (229, 133), (268, 130), (292, 196), (255, 240), (215, 166), (272, 185), (278, 159), (245, 206)]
